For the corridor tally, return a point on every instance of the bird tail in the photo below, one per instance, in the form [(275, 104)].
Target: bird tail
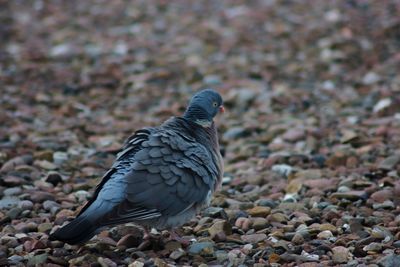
[(78, 231)]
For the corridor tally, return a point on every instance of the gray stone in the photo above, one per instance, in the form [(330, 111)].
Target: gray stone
[(14, 212), (15, 259), (12, 191), (201, 248), (389, 261), (8, 202), (37, 260), (390, 162), (176, 254), (215, 212)]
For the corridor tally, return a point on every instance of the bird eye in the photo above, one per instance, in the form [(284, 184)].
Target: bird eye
[(215, 104)]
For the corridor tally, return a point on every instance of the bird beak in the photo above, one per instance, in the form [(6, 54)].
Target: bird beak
[(221, 109)]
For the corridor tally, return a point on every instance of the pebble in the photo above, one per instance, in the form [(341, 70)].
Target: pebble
[(389, 261), (44, 164), (259, 211), (259, 223), (350, 195), (373, 247), (340, 254), (106, 262), (8, 202), (15, 259), (215, 212), (254, 238), (266, 203), (59, 157), (277, 217), (40, 196), (51, 205), (201, 248), (390, 162), (387, 204), (130, 241), (82, 195), (243, 223), (25, 204), (45, 227), (220, 229), (53, 178), (282, 169), (381, 195), (136, 264), (14, 212), (176, 254), (37, 259), (12, 191), (325, 234)]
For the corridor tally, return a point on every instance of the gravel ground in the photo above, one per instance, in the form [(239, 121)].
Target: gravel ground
[(311, 136)]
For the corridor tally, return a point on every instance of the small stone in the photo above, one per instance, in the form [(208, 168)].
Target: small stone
[(130, 241), (40, 196), (254, 238), (396, 244), (294, 186), (106, 262), (59, 157), (327, 227), (382, 104), (282, 169), (259, 211), (176, 254), (294, 135), (373, 247), (50, 205), (382, 195), (25, 205), (220, 227), (37, 259), (214, 212), (14, 212), (8, 202), (82, 195), (243, 223), (44, 164), (266, 203), (136, 264), (277, 217), (389, 163), (15, 259), (53, 178), (38, 244), (370, 78), (298, 239), (350, 195), (387, 204), (247, 248), (323, 184), (389, 261), (45, 227), (14, 162), (201, 248), (325, 235), (13, 191), (259, 223), (340, 254)]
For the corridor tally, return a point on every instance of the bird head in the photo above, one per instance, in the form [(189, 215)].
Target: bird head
[(204, 106)]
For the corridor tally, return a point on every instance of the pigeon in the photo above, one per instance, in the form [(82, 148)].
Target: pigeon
[(162, 177)]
